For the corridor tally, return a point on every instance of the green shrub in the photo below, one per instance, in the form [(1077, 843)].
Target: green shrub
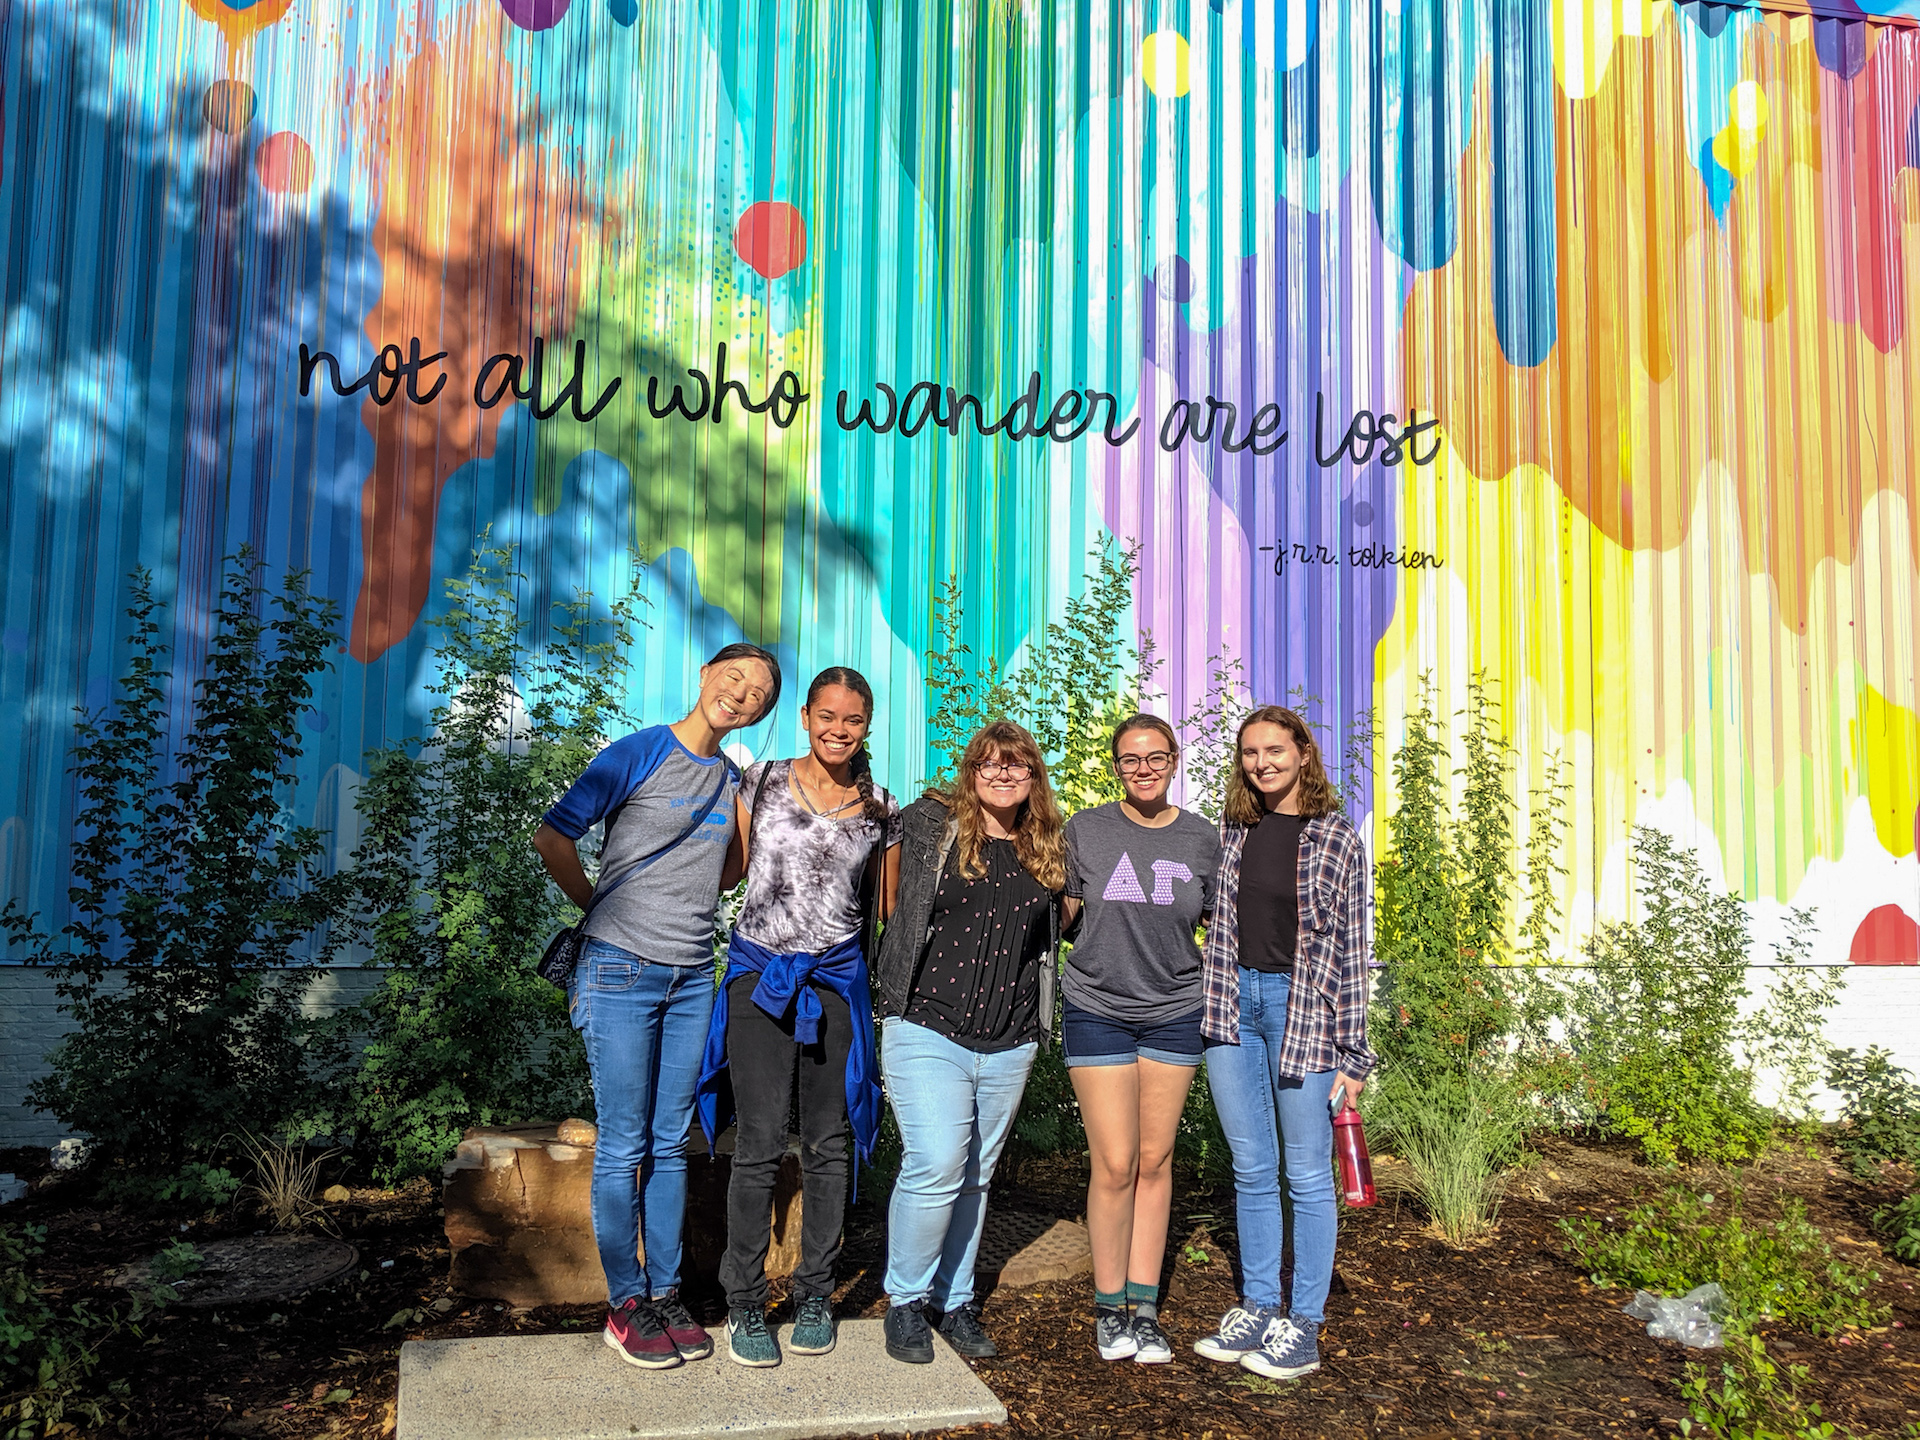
[(47, 1359), (1900, 1223), (1783, 1270), (188, 872), (457, 905), (1880, 1109), (1657, 1021), (1750, 1399), (196, 1185)]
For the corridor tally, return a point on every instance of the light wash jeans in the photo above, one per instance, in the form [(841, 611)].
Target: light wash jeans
[(645, 1026), (955, 1108), (1265, 1116)]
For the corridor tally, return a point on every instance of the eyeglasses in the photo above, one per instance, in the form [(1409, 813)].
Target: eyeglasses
[(994, 768), (1154, 761)]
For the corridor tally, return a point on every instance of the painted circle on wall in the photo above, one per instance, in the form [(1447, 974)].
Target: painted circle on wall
[(284, 163), (535, 14), (240, 18), (1163, 64), (772, 238), (228, 106), (624, 11), (1888, 936)]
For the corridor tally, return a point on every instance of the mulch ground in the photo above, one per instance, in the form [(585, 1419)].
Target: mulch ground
[(1506, 1338)]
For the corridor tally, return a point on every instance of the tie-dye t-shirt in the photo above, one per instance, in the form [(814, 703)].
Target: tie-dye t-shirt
[(1145, 890), (804, 870)]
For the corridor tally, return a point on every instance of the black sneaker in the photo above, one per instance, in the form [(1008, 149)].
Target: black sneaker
[(1113, 1334), (909, 1337), (961, 1329)]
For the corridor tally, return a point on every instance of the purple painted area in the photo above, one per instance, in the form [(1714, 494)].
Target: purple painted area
[(535, 14), (1841, 46), (1302, 326)]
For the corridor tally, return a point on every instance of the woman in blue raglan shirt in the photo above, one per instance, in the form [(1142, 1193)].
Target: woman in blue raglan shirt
[(643, 990)]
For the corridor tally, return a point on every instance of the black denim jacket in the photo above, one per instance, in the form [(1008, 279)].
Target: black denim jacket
[(928, 830)]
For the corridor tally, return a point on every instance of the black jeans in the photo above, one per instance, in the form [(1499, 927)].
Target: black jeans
[(765, 1060)]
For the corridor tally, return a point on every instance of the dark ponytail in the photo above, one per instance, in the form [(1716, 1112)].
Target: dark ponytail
[(850, 679), (741, 650)]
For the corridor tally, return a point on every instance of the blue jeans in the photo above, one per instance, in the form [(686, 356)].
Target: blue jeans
[(1266, 1116), (955, 1108), (645, 1026)]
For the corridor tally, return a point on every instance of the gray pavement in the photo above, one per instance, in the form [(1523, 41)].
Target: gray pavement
[(572, 1387)]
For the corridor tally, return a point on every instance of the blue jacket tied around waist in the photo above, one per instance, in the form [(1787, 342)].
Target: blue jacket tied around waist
[(785, 991)]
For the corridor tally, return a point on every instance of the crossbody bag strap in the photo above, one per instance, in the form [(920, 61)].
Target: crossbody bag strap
[(607, 887)]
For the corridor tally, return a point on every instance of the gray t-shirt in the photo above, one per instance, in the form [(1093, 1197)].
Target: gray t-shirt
[(1145, 889), (664, 913), (804, 870)]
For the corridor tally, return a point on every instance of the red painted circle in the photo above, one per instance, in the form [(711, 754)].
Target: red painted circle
[(1888, 936), (772, 238), (284, 163)]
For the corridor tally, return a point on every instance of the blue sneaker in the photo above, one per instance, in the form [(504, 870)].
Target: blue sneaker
[(1289, 1349), (812, 1332), (1239, 1334), (749, 1341)]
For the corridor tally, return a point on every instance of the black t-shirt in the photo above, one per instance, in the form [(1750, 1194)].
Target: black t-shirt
[(979, 982), (1270, 894)]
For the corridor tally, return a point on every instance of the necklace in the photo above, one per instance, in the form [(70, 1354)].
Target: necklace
[(800, 784)]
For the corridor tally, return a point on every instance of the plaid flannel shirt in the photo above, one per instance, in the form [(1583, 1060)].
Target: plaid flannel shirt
[(1327, 1005)]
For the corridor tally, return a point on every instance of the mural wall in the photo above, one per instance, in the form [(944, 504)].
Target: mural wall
[(1569, 342)]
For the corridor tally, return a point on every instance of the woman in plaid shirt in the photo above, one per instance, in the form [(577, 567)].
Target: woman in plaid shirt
[(1284, 977)]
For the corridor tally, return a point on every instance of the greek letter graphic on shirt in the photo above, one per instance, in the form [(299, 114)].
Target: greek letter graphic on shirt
[(1124, 884)]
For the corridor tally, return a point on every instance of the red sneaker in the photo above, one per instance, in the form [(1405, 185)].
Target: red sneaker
[(637, 1335), (688, 1335)]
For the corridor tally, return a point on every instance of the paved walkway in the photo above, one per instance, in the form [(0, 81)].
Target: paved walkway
[(572, 1387)]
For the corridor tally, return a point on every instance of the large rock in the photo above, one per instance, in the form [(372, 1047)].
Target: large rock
[(520, 1224)]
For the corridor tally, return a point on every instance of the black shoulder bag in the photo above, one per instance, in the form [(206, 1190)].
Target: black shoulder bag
[(563, 951)]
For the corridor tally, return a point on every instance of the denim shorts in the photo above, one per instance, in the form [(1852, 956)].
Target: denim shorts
[(1090, 1039)]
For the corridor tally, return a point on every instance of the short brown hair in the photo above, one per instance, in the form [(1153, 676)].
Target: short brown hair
[(1317, 795), (1140, 720)]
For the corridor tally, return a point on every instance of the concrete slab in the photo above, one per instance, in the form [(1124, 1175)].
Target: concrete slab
[(572, 1387)]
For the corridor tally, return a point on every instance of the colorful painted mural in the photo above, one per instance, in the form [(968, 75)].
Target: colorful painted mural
[(1570, 342)]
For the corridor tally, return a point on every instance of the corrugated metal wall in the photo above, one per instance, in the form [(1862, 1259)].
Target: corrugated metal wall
[(1650, 268)]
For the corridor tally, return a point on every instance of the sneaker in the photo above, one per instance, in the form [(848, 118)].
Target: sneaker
[(749, 1341), (961, 1329), (1289, 1349), (1113, 1335), (812, 1332), (689, 1336), (635, 1331), (1240, 1331), (909, 1337), (1151, 1341)]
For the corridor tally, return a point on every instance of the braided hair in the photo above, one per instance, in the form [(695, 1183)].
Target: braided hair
[(871, 805)]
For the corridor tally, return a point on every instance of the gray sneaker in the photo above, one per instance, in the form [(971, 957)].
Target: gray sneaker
[(749, 1341), (1289, 1349), (1113, 1335), (1151, 1340), (1240, 1331), (812, 1332)]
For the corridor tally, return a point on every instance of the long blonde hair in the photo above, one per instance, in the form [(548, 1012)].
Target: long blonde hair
[(1317, 795), (1039, 831)]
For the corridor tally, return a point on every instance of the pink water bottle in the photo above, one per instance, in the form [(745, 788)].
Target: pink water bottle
[(1356, 1169)]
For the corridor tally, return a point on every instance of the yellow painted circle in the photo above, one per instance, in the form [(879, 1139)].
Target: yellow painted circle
[(1163, 63)]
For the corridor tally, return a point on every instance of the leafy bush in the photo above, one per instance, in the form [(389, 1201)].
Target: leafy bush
[(1880, 1109), (1783, 1270), (1657, 1021), (188, 872), (457, 904), (196, 1185), (47, 1360), (1900, 1223), (1750, 1399)]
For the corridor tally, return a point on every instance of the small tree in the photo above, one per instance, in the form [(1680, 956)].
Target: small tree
[(192, 876), (456, 905)]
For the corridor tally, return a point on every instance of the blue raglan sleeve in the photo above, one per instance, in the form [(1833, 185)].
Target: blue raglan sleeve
[(611, 777)]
